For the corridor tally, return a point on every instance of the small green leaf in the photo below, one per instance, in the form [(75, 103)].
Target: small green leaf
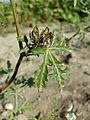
[(7, 95), (2, 71), (75, 3), (56, 69), (41, 76), (24, 50), (25, 106), (9, 69), (37, 51), (55, 60), (60, 48), (20, 38)]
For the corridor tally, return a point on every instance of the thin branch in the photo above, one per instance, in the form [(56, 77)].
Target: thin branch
[(12, 79), (13, 3), (74, 35)]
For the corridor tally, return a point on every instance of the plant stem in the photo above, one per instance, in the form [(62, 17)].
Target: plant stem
[(12, 79), (6, 85), (74, 35), (13, 3), (16, 69)]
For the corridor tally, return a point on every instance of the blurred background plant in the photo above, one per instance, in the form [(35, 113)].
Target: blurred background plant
[(44, 11)]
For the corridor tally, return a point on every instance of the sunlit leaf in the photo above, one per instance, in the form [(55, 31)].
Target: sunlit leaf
[(75, 3), (55, 59), (42, 73), (36, 51), (60, 48), (24, 50), (56, 69), (20, 38)]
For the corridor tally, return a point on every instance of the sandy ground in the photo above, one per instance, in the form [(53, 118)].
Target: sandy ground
[(77, 87)]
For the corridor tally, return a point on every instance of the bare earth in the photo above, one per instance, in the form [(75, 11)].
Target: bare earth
[(77, 87)]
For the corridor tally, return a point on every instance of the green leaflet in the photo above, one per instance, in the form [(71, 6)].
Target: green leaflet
[(42, 73), (75, 3), (42, 77), (25, 106), (37, 51), (60, 48), (56, 69), (24, 50), (55, 59), (20, 38)]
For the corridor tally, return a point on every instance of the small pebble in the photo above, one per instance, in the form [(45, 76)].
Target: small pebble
[(8, 106), (70, 116)]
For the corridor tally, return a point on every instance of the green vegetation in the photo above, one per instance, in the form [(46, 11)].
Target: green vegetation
[(38, 11), (6, 16), (38, 43)]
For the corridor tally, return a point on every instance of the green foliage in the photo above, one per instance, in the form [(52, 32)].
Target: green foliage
[(75, 3), (18, 107), (69, 10), (39, 10), (49, 60), (81, 38), (34, 11), (6, 16), (8, 70), (42, 73)]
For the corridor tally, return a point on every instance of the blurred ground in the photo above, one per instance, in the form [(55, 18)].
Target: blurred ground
[(77, 87)]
